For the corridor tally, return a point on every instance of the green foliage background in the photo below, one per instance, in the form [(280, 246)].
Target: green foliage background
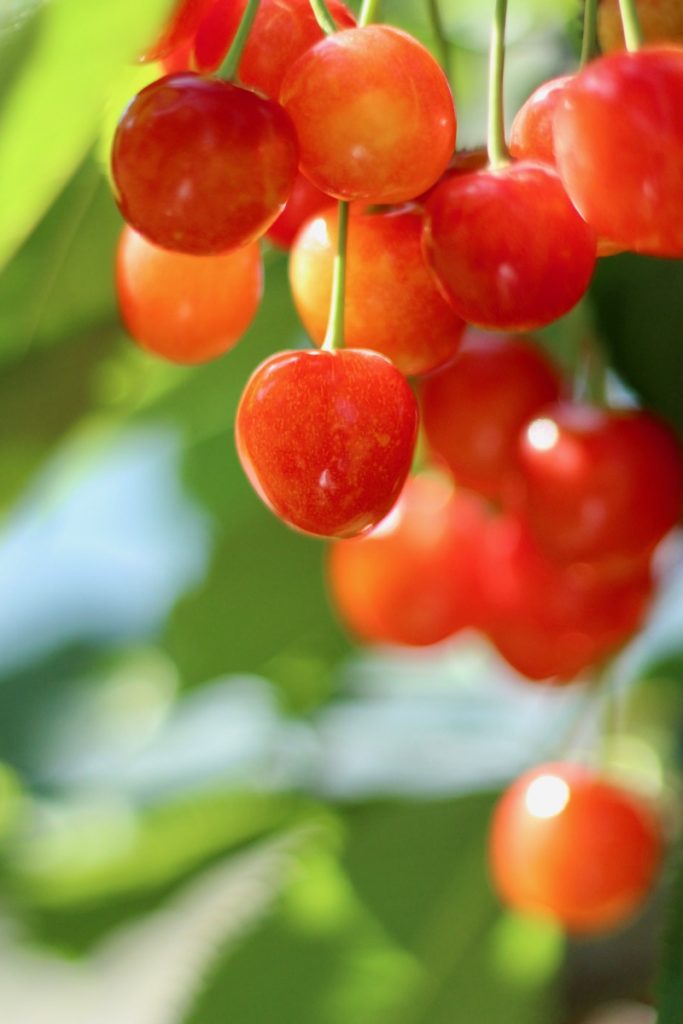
[(149, 873)]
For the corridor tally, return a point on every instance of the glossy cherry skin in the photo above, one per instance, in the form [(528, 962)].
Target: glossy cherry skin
[(305, 201), (567, 844), (508, 248), (661, 21), (619, 148), (187, 309), (473, 410), (411, 580), (599, 484), (201, 166), (374, 115), (391, 296), (551, 621), (181, 26), (281, 32), (327, 438)]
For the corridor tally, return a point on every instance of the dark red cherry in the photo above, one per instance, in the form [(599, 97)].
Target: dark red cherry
[(597, 483), (200, 165), (305, 201), (473, 409), (327, 438), (180, 27), (507, 247)]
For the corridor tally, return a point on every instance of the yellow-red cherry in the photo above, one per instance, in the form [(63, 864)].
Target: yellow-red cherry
[(327, 438), (618, 136), (392, 303), (507, 246), (187, 309), (473, 410), (599, 484), (568, 844), (411, 580), (373, 113), (200, 165), (305, 201)]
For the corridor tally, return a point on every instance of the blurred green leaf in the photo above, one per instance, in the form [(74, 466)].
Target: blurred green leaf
[(50, 109)]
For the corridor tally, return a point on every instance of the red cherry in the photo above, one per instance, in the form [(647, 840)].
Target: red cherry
[(567, 844), (281, 32), (327, 438), (552, 621), (474, 409), (619, 148), (508, 248), (201, 166), (305, 201), (373, 113), (599, 484), (531, 132), (391, 297), (186, 308), (411, 580), (181, 26)]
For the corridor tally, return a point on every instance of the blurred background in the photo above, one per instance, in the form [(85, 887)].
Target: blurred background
[(213, 807)]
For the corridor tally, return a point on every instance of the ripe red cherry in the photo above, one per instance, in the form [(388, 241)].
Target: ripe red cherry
[(201, 166), (474, 409), (305, 201), (281, 32), (186, 308), (599, 484), (182, 24), (568, 844), (508, 248), (531, 132), (391, 297), (548, 620), (327, 438), (411, 580), (619, 148), (373, 113)]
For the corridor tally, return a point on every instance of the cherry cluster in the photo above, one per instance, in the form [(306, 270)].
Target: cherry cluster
[(534, 513)]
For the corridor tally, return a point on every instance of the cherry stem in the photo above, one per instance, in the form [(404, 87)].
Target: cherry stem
[(334, 336), (323, 16), (368, 12), (442, 41), (497, 149), (229, 66), (631, 24), (590, 13)]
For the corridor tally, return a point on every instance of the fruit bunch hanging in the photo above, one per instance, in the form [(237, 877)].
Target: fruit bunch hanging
[(534, 507)]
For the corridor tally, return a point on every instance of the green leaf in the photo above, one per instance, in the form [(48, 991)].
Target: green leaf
[(52, 106)]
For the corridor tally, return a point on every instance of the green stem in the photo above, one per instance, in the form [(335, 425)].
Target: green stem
[(334, 337), (323, 16), (590, 13), (631, 24), (442, 42), (497, 149), (368, 12), (229, 66)]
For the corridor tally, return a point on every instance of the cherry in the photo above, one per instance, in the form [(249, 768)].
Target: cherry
[(391, 297), (305, 201), (661, 21), (411, 580), (281, 32), (599, 484), (373, 113), (183, 23), (200, 165), (566, 843), (186, 308), (619, 148), (549, 620), (474, 409), (507, 247), (327, 437)]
